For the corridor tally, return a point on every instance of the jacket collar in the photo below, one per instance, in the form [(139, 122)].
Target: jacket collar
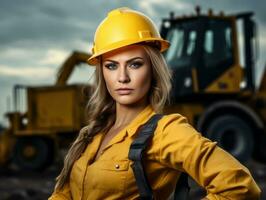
[(141, 119)]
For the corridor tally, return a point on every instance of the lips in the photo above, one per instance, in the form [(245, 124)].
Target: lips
[(124, 91)]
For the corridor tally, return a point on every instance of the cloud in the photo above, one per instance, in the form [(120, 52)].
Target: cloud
[(156, 7), (53, 57), (27, 72), (21, 57)]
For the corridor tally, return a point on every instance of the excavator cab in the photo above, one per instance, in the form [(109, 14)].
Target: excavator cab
[(203, 55)]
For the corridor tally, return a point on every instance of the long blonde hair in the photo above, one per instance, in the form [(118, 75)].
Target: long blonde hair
[(101, 109)]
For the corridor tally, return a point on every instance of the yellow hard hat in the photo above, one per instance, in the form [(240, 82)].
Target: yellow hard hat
[(122, 27)]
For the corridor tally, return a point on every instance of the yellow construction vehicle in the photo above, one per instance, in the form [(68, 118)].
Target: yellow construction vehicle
[(210, 87), (54, 116)]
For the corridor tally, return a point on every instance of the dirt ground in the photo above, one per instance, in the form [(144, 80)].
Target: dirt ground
[(15, 185)]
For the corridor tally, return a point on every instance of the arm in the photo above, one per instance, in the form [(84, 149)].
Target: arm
[(183, 148), (64, 194)]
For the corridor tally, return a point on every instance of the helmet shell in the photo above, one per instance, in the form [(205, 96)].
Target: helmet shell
[(123, 27)]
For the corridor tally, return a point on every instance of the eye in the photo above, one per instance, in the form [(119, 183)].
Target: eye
[(136, 64), (110, 66)]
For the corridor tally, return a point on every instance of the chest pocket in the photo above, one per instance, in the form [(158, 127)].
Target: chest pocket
[(111, 174)]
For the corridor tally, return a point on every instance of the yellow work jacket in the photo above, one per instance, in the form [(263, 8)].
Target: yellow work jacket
[(176, 147)]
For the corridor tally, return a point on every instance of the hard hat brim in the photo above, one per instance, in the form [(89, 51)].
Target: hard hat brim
[(94, 60)]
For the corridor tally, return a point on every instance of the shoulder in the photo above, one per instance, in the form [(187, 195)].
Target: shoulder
[(172, 120), (175, 125), (174, 139)]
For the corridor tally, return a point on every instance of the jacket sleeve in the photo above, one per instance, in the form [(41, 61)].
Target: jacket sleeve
[(63, 194), (223, 177)]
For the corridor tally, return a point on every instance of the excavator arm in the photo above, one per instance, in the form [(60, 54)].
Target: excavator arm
[(66, 69)]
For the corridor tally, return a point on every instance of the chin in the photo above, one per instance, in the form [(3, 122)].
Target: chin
[(128, 101)]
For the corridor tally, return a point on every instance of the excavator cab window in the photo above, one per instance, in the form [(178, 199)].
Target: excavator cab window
[(183, 38), (217, 47), (216, 55)]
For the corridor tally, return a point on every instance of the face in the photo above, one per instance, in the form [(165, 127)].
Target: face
[(127, 74)]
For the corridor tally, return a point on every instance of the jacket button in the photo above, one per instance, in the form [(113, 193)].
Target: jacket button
[(117, 166)]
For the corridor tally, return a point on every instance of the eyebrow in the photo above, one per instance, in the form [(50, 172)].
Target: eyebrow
[(128, 61)]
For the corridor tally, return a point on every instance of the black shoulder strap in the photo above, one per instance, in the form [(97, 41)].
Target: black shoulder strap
[(136, 150), (135, 154), (182, 188)]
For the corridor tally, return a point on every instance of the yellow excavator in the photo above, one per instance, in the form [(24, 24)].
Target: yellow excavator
[(211, 87), (54, 116)]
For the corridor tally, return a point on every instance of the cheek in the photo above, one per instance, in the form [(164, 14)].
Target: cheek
[(144, 81)]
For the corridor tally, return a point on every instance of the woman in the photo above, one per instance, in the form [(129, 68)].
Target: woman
[(132, 84)]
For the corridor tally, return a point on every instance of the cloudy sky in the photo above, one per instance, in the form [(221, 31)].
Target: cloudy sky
[(37, 36)]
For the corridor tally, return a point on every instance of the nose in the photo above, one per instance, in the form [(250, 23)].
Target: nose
[(123, 75)]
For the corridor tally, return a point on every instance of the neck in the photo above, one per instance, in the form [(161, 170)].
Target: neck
[(126, 113)]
